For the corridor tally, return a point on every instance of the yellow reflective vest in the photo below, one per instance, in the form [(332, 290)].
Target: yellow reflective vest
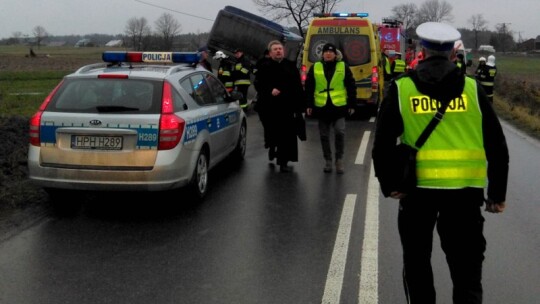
[(453, 156), (399, 66), (336, 88)]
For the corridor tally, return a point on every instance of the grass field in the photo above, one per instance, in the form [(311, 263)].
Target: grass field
[(25, 81)]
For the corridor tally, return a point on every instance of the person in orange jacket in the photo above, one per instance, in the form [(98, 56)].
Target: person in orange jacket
[(414, 63)]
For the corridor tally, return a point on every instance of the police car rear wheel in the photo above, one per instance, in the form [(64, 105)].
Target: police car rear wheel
[(240, 150), (199, 181)]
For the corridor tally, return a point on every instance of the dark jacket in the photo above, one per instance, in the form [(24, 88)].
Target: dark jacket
[(280, 111), (206, 64), (237, 74), (441, 79), (330, 111)]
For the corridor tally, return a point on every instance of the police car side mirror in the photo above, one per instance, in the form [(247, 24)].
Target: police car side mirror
[(234, 96)]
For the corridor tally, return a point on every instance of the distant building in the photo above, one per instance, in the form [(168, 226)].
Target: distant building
[(525, 46), (84, 42), (116, 43)]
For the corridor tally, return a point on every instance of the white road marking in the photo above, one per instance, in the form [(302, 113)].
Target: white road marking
[(334, 278), (369, 269), (362, 150)]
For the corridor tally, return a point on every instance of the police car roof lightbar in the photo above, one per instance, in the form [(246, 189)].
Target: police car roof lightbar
[(151, 57), (363, 15)]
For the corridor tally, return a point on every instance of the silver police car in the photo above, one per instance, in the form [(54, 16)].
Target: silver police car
[(139, 121)]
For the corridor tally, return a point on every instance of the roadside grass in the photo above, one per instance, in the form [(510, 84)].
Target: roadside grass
[(56, 51), (25, 81), (522, 117), (21, 93), (517, 91)]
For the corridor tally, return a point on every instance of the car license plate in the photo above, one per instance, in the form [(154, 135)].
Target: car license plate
[(96, 142)]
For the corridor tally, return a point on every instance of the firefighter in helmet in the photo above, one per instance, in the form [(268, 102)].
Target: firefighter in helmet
[(225, 70), (241, 75)]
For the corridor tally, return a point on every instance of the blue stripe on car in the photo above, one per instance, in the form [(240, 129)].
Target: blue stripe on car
[(147, 136), (212, 124)]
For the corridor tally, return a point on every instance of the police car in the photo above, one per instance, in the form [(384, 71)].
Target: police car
[(147, 121)]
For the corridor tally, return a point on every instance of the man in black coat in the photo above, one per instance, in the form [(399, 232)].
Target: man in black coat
[(281, 100)]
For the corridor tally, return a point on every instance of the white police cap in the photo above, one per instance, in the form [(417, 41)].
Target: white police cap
[(437, 36)]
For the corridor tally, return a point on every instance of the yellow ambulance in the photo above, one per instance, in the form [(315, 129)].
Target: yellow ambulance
[(358, 40)]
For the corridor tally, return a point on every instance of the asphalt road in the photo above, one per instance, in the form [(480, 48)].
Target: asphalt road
[(262, 236)]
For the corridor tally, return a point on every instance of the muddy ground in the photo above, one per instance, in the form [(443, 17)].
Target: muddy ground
[(20, 200)]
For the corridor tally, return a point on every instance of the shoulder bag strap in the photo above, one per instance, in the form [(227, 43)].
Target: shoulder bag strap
[(432, 124)]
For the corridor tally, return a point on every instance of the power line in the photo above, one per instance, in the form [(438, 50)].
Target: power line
[(168, 9)]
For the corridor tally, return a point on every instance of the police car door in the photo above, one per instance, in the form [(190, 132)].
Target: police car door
[(227, 120), (211, 116)]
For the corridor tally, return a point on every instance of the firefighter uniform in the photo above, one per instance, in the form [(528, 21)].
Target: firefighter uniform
[(225, 70), (485, 74), (465, 150), (241, 75)]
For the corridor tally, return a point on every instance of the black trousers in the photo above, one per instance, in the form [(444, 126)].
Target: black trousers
[(459, 221)]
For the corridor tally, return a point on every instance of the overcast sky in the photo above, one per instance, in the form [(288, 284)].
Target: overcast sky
[(80, 17)]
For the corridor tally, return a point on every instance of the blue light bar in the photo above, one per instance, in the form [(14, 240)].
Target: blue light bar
[(114, 56), (151, 57), (350, 15), (363, 15)]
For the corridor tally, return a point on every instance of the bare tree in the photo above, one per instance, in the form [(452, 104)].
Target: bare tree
[(505, 40), (479, 24), (406, 13), (16, 38), (17, 35), (40, 34), (298, 12), (137, 30), (435, 11), (167, 28)]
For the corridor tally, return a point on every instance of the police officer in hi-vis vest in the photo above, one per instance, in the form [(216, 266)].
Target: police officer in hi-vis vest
[(465, 151)]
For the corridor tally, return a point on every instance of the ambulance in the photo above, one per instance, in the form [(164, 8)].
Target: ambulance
[(358, 41)]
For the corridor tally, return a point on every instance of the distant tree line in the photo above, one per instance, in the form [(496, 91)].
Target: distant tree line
[(138, 35), (300, 13), (166, 31)]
